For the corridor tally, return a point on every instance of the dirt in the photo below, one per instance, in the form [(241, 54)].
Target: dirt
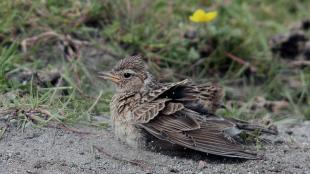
[(55, 150), (293, 45)]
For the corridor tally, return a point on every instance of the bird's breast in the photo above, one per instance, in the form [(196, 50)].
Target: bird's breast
[(123, 127)]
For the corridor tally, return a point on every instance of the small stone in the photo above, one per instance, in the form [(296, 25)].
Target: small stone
[(289, 132), (37, 165), (202, 164), (278, 141), (298, 166), (97, 157), (13, 121), (63, 163), (173, 170), (73, 165)]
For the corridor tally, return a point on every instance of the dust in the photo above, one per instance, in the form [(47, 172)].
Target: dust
[(54, 150)]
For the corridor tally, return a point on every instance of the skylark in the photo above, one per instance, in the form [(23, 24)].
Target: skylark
[(148, 113)]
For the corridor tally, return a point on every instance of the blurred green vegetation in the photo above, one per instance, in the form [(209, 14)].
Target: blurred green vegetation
[(161, 32)]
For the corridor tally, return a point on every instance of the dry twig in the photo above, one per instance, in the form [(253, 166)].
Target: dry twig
[(2, 131), (70, 129), (71, 46), (39, 115), (252, 68), (299, 63)]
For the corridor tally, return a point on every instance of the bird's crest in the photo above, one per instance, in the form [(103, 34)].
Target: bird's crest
[(132, 62)]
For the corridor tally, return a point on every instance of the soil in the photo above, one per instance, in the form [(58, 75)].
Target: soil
[(55, 150)]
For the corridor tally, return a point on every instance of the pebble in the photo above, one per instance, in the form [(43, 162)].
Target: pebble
[(202, 164)]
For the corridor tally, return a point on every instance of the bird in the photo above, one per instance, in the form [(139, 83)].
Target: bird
[(147, 113)]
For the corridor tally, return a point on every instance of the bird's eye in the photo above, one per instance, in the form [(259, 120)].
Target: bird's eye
[(127, 75)]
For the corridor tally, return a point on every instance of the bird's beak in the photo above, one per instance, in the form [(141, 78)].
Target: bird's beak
[(109, 76)]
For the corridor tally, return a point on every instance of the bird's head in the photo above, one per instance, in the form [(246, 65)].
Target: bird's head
[(129, 74)]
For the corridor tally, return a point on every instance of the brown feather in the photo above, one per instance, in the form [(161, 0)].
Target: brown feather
[(132, 62), (206, 137), (173, 122), (147, 111), (206, 96), (172, 108), (154, 94)]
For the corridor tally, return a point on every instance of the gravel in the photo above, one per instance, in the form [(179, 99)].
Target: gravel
[(53, 150)]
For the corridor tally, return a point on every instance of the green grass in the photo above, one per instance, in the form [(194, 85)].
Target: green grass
[(156, 30)]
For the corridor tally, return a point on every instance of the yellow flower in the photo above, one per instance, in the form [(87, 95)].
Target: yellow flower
[(202, 16)]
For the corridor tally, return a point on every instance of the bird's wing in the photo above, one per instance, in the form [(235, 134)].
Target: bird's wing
[(164, 88), (210, 95), (151, 103), (176, 112), (189, 129), (201, 98), (148, 111)]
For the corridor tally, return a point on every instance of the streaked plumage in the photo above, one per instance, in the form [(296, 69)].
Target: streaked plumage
[(181, 113)]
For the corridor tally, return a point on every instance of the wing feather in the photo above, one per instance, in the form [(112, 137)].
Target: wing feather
[(202, 135), (148, 111), (172, 108), (154, 94), (168, 114), (202, 98)]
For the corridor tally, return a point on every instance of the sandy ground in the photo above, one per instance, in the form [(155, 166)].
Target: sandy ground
[(54, 150)]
